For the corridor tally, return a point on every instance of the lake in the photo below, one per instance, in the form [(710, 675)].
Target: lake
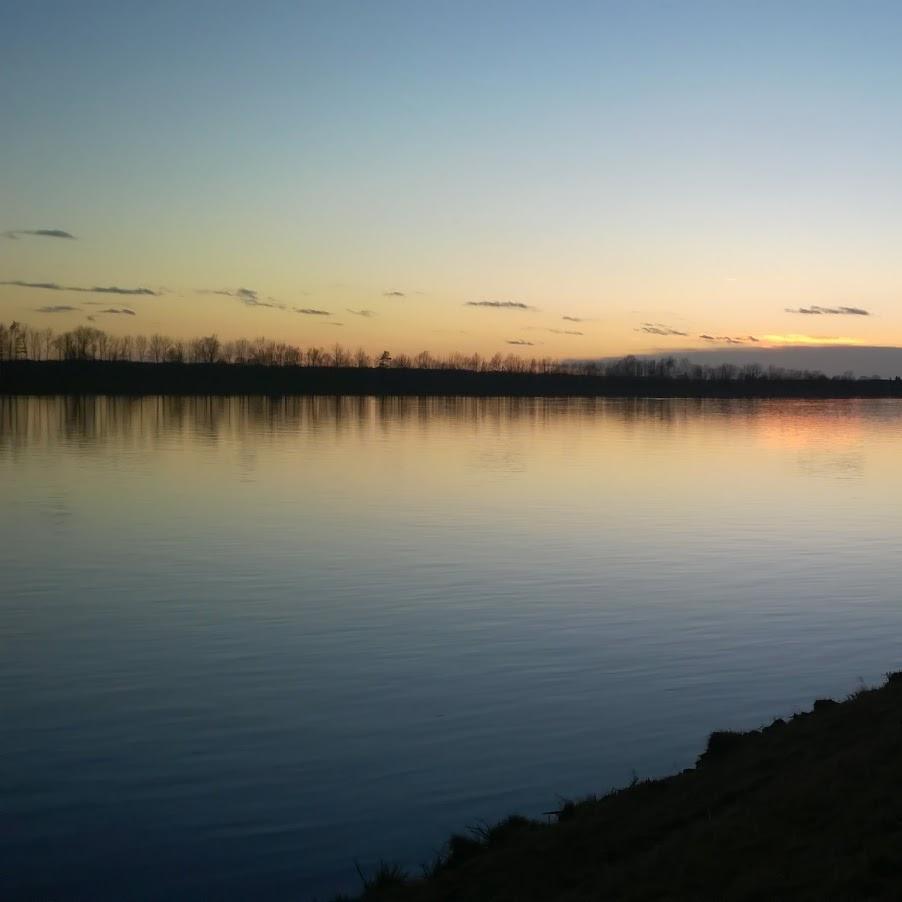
[(248, 642)]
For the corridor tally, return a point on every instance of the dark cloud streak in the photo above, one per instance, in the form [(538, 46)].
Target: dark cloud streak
[(500, 305), (15, 234), (96, 289), (113, 289), (815, 310), (659, 329), (729, 339), (248, 296)]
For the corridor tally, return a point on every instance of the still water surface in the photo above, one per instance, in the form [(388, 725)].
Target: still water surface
[(244, 642)]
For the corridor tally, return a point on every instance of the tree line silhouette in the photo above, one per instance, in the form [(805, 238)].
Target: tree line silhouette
[(91, 343), (87, 360), (88, 343)]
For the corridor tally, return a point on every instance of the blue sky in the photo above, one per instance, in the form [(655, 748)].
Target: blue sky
[(701, 165)]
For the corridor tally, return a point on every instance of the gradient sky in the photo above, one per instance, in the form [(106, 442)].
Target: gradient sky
[(690, 167)]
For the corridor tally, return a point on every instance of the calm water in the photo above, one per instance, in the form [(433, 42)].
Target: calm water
[(245, 642)]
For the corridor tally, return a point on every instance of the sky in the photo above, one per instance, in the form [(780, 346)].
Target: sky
[(554, 179)]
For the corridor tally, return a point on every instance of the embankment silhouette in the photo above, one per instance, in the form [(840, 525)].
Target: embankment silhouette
[(808, 808)]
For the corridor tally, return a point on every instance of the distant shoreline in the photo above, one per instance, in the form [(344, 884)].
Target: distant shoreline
[(26, 377)]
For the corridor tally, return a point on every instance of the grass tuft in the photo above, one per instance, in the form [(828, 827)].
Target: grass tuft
[(387, 877)]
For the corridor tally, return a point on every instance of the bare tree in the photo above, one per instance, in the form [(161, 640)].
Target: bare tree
[(157, 347), (175, 353), (242, 351), (340, 357), (126, 347), (205, 350)]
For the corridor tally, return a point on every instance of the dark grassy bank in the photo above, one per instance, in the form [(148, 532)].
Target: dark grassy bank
[(810, 808), (96, 377)]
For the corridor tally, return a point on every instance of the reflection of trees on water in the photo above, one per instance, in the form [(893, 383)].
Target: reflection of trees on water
[(145, 422)]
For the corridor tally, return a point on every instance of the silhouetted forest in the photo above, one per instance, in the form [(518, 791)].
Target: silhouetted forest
[(87, 360)]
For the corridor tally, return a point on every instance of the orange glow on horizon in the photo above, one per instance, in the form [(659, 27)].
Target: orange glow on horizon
[(809, 340)]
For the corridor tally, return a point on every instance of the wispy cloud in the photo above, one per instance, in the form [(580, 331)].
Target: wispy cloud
[(659, 329), (39, 233), (312, 311), (48, 286), (365, 313), (573, 319), (248, 296), (565, 332), (815, 310), (393, 294), (729, 339), (115, 289), (96, 289), (500, 305), (225, 292), (117, 311), (520, 341), (56, 308)]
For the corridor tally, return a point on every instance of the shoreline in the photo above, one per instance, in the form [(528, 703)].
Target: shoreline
[(25, 377), (804, 808)]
